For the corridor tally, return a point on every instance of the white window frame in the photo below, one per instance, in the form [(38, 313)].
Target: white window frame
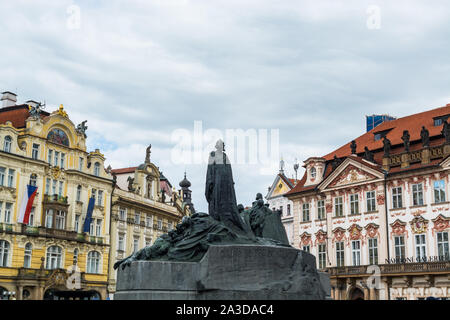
[(417, 191), (321, 210), (439, 191), (370, 201), (5, 248), (322, 255), (442, 239), (93, 262), (420, 247), (305, 212), (354, 204), (373, 250), (35, 151), (339, 205), (54, 258), (28, 253), (399, 247), (397, 199), (356, 253), (340, 254)]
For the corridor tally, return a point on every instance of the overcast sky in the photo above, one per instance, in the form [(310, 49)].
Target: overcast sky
[(139, 70)]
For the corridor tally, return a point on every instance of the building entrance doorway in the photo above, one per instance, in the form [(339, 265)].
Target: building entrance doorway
[(356, 294)]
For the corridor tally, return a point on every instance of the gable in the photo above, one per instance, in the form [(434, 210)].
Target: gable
[(279, 187), (350, 172)]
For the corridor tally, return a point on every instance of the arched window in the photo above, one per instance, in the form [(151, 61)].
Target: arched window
[(7, 144), (313, 172), (54, 257), (33, 179), (93, 262), (4, 253), (27, 255), (79, 193), (97, 169)]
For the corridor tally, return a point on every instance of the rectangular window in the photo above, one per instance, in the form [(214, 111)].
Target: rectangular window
[(148, 242), (421, 253), (94, 194), (8, 209), (159, 223), (2, 176), (399, 245), (321, 209), (56, 162), (306, 248), (288, 209), (98, 228), (77, 223), (54, 186), (322, 256), (148, 221), (81, 164), (31, 219), (50, 156), (443, 247), (1, 209), (35, 151), (137, 218), (305, 212), (169, 226), (92, 228), (100, 198), (49, 218), (356, 252), (11, 178), (121, 243), (338, 207), (354, 204), (63, 160), (281, 210), (60, 189), (373, 251), (60, 220), (371, 204), (135, 245), (340, 259), (122, 214), (397, 198), (47, 186), (417, 194), (79, 193), (439, 191)]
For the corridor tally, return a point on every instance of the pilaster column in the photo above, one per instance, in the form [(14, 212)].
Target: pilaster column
[(337, 293), (366, 294), (19, 293), (373, 294)]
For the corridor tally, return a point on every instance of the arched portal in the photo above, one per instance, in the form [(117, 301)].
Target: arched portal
[(356, 294)]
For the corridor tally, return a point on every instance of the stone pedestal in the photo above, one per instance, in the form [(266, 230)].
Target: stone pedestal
[(229, 272)]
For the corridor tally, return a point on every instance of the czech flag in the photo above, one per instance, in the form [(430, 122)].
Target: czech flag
[(27, 203)]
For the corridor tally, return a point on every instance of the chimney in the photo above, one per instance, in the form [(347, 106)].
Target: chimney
[(9, 99), (32, 103)]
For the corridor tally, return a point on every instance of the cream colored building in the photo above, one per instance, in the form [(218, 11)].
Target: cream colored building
[(144, 206), (49, 151)]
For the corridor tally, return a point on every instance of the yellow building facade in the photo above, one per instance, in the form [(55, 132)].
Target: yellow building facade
[(51, 257)]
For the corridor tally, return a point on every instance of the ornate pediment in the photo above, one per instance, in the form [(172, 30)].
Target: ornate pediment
[(419, 225), (351, 175)]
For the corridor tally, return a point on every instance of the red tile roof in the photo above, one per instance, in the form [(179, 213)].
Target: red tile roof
[(17, 115), (412, 123), (124, 170)]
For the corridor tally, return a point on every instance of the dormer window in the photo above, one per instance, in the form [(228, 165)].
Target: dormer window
[(437, 122), (378, 136), (97, 169), (313, 173)]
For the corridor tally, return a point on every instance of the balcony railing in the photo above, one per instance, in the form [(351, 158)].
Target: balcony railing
[(6, 227), (416, 267), (55, 198), (59, 233)]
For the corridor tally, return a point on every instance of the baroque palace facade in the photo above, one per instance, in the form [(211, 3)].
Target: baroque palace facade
[(376, 212), (144, 206), (46, 150)]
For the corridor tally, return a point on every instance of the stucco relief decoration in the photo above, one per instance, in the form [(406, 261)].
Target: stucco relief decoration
[(441, 223), (399, 228), (419, 225), (418, 213), (329, 207), (338, 235), (305, 239), (355, 232), (372, 230), (380, 199), (351, 175), (55, 172), (321, 237)]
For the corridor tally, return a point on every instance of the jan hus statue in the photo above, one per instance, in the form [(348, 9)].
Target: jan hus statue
[(219, 189)]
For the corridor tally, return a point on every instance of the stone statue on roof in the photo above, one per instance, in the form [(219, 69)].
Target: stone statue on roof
[(368, 155), (425, 135), (446, 131), (353, 146), (405, 139), (82, 127), (386, 146), (147, 154)]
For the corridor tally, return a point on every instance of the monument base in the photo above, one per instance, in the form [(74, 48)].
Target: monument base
[(227, 272)]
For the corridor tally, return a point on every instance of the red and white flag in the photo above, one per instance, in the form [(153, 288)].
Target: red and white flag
[(27, 203)]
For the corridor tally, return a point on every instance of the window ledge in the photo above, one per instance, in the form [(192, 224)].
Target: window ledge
[(370, 212), (338, 217), (440, 203), (418, 206), (355, 214), (397, 209), (320, 220), (305, 222)]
